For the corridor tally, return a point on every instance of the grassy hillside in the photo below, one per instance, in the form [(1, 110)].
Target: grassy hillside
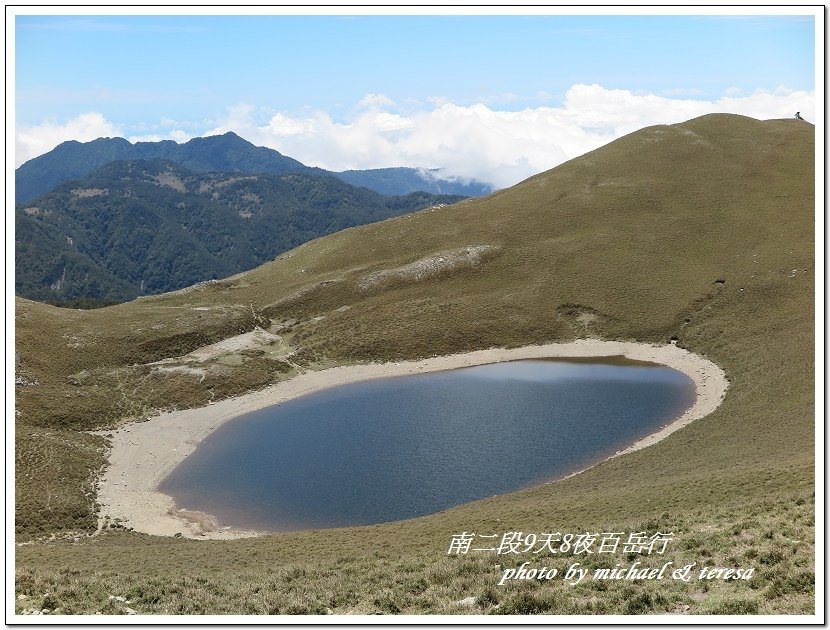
[(702, 231)]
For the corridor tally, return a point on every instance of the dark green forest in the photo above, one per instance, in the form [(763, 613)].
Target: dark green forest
[(142, 227), (225, 153)]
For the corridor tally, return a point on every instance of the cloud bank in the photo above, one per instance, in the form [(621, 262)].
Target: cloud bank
[(34, 140), (466, 141)]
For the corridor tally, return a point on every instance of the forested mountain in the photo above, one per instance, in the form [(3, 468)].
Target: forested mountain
[(400, 181), (72, 159), (225, 153), (147, 226)]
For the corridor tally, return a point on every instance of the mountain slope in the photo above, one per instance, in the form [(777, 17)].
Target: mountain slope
[(141, 227), (702, 232), (224, 153)]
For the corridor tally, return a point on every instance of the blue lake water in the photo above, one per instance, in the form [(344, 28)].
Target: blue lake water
[(400, 447)]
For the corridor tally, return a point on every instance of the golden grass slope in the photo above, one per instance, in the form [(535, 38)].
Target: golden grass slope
[(702, 231)]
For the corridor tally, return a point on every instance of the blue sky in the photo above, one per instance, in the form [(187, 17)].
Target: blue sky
[(179, 76), (140, 68)]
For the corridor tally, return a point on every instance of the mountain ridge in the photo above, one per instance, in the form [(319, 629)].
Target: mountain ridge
[(139, 227), (227, 152)]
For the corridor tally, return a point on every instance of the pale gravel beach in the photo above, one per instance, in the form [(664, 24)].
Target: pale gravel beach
[(144, 453)]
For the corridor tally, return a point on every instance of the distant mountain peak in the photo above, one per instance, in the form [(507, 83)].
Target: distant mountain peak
[(226, 152), (231, 134), (148, 225), (227, 136)]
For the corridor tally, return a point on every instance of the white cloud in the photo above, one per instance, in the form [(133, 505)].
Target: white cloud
[(34, 140), (179, 136), (476, 141), (238, 117), (375, 101), (385, 121), (496, 146), (281, 125), (681, 91)]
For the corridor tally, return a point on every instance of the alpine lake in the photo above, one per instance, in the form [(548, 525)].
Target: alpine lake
[(399, 447)]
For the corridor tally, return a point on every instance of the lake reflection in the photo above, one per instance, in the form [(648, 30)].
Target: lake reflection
[(400, 447)]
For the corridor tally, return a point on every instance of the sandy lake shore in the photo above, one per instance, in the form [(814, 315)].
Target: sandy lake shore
[(144, 453)]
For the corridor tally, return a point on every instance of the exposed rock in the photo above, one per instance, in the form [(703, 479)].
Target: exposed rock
[(431, 266)]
